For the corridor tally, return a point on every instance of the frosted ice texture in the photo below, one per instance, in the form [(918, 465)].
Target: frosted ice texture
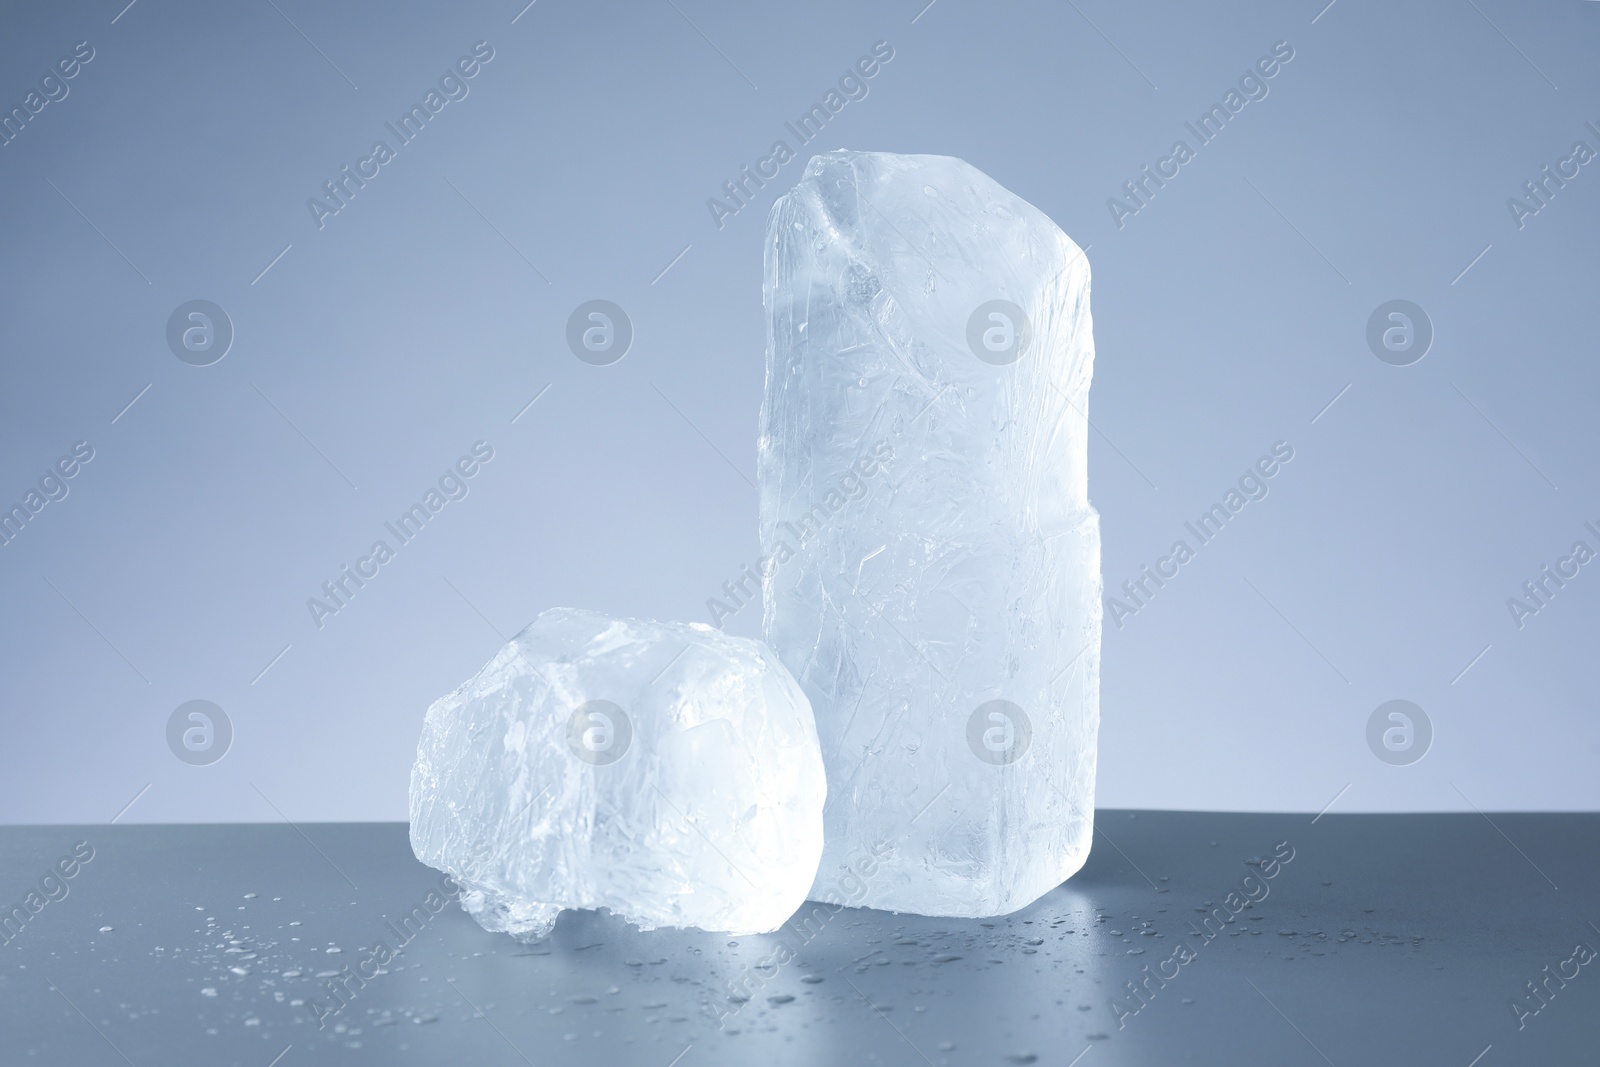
[(967, 570), (693, 799)]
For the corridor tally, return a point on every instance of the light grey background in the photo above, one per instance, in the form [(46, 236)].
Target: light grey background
[(425, 316)]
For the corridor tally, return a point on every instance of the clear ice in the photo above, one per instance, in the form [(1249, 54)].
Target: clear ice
[(933, 562), (665, 771)]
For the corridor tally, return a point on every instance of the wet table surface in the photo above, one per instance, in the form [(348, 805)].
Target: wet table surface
[(1463, 940)]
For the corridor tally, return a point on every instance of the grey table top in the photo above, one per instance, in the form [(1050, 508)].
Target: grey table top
[(1407, 939)]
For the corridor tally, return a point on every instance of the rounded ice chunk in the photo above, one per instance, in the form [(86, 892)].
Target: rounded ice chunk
[(665, 771)]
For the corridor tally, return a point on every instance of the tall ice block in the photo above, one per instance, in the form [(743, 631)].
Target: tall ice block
[(932, 563)]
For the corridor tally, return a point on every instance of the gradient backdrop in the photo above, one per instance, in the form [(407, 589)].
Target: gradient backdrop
[(372, 351)]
